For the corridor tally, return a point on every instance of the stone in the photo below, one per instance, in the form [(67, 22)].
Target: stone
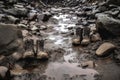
[(17, 12), (107, 25), (1, 16), (2, 57), (32, 15), (22, 26), (112, 12), (13, 19), (17, 55), (17, 66), (43, 27), (18, 72), (40, 16), (116, 2), (105, 49), (11, 1), (25, 33), (95, 37), (10, 36), (89, 64), (3, 71)]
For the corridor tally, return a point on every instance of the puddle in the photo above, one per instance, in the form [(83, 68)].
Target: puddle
[(67, 71)]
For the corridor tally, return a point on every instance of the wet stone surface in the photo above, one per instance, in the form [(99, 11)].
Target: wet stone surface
[(56, 29)]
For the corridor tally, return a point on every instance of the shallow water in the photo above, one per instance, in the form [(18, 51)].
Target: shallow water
[(65, 65)]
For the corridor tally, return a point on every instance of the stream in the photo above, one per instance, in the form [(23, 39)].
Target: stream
[(65, 59)]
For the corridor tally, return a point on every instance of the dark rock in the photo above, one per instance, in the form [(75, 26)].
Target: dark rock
[(107, 25), (9, 35), (116, 2), (18, 12)]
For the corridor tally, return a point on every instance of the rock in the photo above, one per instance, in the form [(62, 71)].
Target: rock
[(112, 12), (3, 71), (76, 41), (10, 37), (118, 16), (32, 15), (17, 55), (17, 12), (22, 26), (46, 17), (1, 16), (2, 57), (34, 28), (89, 64), (18, 6), (13, 19), (40, 16), (11, 1), (25, 33), (96, 37), (18, 72), (43, 27), (116, 2), (105, 49), (85, 41), (17, 66), (107, 25)]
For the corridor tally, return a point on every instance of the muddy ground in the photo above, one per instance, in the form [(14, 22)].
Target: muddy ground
[(65, 60)]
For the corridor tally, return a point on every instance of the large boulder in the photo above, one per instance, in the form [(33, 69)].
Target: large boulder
[(107, 25), (10, 38), (116, 2), (105, 49)]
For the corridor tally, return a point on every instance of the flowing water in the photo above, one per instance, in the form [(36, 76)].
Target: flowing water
[(64, 62)]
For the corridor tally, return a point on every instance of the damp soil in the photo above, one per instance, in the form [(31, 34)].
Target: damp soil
[(65, 59)]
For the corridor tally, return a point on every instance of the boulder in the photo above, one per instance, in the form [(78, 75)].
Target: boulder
[(11, 38), (107, 25), (105, 49), (116, 2)]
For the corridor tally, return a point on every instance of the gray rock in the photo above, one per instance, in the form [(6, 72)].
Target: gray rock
[(107, 23), (12, 19), (116, 2), (18, 12), (9, 37), (89, 64)]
